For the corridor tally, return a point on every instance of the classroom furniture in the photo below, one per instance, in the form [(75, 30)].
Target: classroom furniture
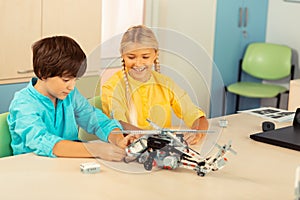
[(294, 97), (107, 73), (238, 23), (258, 171), (90, 85), (82, 134), (37, 19), (5, 139), (87, 85), (264, 61)]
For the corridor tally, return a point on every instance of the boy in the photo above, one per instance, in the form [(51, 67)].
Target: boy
[(44, 116)]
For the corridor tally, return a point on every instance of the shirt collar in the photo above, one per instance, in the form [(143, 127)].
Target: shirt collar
[(137, 83), (36, 93)]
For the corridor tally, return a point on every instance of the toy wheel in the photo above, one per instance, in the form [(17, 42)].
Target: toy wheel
[(200, 174), (143, 158), (148, 165)]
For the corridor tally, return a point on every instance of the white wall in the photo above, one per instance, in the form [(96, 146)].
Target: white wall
[(283, 24), (283, 27), (196, 21), (194, 18)]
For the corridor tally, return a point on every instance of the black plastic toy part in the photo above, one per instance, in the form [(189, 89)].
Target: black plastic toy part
[(268, 126)]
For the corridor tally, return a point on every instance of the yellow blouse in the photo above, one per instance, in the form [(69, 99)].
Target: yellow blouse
[(152, 100)]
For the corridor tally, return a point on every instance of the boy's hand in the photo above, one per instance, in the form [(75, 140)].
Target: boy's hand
[(105, 151), (123, 142), (120, 140)]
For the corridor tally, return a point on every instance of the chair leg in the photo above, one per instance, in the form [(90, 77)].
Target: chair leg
[(278, 100), (237, 103), (224, 102)]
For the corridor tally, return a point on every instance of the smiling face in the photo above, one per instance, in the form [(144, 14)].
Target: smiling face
[(56, 87), (139, 63)]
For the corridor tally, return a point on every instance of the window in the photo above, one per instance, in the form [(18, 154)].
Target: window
[(119, 15)]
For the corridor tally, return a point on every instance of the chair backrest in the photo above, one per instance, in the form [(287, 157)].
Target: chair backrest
[(267, 61), (96, 101), (107, 73), (5, 139), (82, 134)]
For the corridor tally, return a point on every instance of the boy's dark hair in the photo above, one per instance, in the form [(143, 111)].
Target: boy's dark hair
[(58, 56)]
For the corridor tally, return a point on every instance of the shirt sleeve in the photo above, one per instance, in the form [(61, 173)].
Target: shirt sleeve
[(113, 99), (183, 106), (92, 119), (29, 131)]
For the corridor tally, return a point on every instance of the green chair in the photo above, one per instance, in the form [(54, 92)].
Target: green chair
[(82, 134), (264, 61), (5, 139)]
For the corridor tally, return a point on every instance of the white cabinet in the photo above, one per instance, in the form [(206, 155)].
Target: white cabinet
[(24, 22), (79, 19), (20, 23)]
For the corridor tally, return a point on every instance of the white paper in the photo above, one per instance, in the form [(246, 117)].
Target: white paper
[(270, 113)]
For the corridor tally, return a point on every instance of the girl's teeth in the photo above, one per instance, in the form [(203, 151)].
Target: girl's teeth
[(139, 69)]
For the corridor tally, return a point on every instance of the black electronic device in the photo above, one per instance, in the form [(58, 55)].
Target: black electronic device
[(288, 137), (296, 122), (268, 126)]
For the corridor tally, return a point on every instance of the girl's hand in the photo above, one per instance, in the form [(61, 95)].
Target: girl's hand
[(193, 138)]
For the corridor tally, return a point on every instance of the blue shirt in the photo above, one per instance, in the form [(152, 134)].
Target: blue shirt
[(36, 125)]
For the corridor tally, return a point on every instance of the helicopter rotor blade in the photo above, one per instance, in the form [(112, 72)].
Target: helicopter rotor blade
[(161, 131), (189, 131), (144, 132)]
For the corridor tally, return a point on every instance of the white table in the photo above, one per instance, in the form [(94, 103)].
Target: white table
[(259, 171)]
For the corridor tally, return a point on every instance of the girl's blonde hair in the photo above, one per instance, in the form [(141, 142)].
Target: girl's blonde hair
[(137, 37)]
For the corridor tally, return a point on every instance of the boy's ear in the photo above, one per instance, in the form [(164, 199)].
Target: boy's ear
[(43, 78)]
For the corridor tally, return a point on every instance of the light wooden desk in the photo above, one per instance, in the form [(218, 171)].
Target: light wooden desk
[(259, 171)]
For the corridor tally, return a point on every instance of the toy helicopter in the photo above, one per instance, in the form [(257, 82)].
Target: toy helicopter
[(167, 150)]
